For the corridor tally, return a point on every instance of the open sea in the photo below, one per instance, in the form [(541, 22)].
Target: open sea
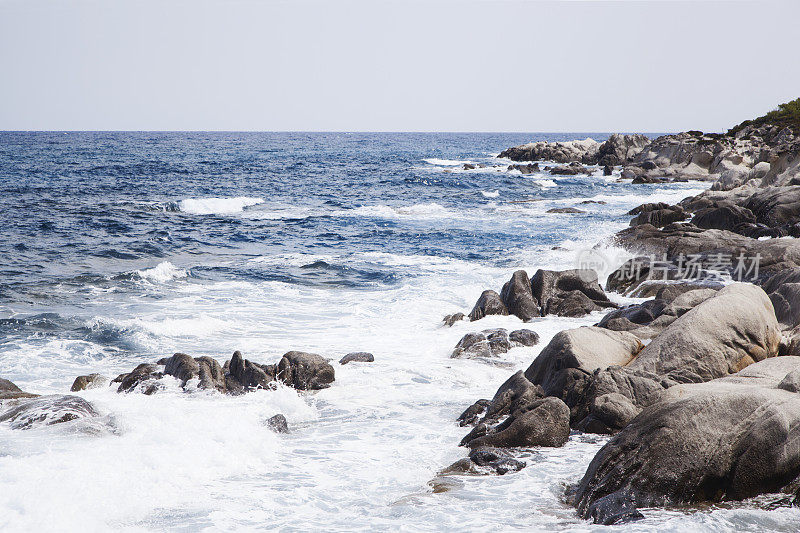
[(122, 248)]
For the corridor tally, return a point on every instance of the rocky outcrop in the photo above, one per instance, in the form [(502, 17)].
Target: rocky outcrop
[(300, 370), (542, 422), (10, 391), (616, 150), (727, 439)]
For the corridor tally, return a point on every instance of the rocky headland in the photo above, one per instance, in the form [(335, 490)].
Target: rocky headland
[(699, 385)]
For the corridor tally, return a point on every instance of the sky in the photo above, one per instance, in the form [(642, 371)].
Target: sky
[(383, 65)]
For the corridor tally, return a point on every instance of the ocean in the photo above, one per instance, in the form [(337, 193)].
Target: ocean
[(123, 248)]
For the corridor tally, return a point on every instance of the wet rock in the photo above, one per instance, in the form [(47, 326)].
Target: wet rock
[(487, 343), (543, 422), (145, 373), (786, 302), (473, 413), (305, 371), (514, 394), (518, 298), (567, 210), (569, 292), (243, 373), (489, 303), (523, 337), (92, 381), (559, 152), (573, 169), (659, 217), (609, 413), (360, 357), (728, 217), (10, 391), (607, 170), (278, 424), (211, 375), (449, 320), (468, 166), (47, 411), (525, 169), (183, 367), (496, 460)]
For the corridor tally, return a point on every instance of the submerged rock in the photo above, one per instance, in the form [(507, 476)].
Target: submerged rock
[(92, 381), (360, 357), (278, 423), (46, 411)]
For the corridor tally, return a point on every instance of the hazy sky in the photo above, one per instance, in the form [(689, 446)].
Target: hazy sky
[(394, 65)]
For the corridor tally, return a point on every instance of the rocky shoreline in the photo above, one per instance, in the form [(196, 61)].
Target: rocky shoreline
[(699, 385)]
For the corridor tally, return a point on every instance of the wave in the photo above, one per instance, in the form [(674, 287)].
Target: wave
[(425, 210), (217, 206), (162, 273), (445, 162), (490, 194)]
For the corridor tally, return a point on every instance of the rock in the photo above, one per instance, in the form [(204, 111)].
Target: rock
[(727, 217), (515, 393), (728, 439), (558, 152), (47, 411), (305, 371), (10, 391), (496, 460), (361, 357), (609, 413), (565, 366), (573, 169), (278, 424), (449, 320), (786, 302), (523, 337), (659, 217), (145, 373), (182, 367), (720, 336), (487, 343), (619, 149), (518, 298), (468, 166), (525, 169), (246, 374), (472, 345), (569, 292), (607, 170), (473, 413), (92, 381), (543, 422), (211, 375), (565, 210), (489, 303), (775, 206)]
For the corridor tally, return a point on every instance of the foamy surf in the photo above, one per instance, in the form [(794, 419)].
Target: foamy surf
[(217, 206), (162, 273)]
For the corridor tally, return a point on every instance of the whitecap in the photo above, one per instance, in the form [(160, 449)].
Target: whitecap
[(490, 194), (162, 273), (217, 206), (445, 162)]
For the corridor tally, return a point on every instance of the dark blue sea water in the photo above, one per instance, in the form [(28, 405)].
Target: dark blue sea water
[(121, 248)]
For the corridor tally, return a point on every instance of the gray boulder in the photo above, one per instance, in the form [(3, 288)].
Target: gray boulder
[(360, 357), (46, 411), (568, 292), (305, 371), (518, 298), (489, 303), (543, 422), (91, 381), (728, 439), (720, 336)]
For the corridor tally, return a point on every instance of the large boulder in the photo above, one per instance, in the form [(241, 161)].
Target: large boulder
[(722, 335), (542, 422), (565, 366), (728, 217), (305, 371), (619, 149), (728, 439), (518, 298)]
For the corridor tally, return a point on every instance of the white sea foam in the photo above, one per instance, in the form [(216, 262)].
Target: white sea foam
[(422, 211), (162, 272), (445, 162), (217, 206), (490, 194)]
